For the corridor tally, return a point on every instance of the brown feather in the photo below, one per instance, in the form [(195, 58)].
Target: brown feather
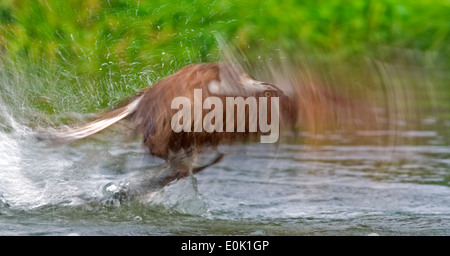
[(151, 113)]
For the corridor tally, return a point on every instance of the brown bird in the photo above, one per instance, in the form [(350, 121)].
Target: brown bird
[(151, 112)]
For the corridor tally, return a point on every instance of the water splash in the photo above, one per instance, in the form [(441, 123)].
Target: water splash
[(36, 174), (181, 196)]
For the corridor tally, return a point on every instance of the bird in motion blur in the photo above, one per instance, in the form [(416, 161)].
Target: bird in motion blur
[(150, 113)]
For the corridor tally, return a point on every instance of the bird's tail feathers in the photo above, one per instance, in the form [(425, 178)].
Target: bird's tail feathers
[(71, 134)]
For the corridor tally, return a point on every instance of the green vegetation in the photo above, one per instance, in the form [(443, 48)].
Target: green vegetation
[(94, 52)]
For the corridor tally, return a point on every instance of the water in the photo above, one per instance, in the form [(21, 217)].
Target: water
[(390, 180), (347, 185)]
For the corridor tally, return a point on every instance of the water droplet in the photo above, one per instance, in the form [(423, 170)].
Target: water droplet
[(110, 189)]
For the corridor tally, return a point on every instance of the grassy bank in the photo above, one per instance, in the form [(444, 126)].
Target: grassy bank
[(135, 34)]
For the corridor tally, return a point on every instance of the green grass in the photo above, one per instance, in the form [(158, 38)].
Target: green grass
[(83, 55), (133, 34)]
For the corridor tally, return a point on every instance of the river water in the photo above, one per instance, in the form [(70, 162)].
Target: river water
[(392, 180), (345, 185)]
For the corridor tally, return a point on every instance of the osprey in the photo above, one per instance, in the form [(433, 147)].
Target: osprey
[(150, 112)]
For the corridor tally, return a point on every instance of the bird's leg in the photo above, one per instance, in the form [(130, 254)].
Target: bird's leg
[(218, 157), (178, 166)]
